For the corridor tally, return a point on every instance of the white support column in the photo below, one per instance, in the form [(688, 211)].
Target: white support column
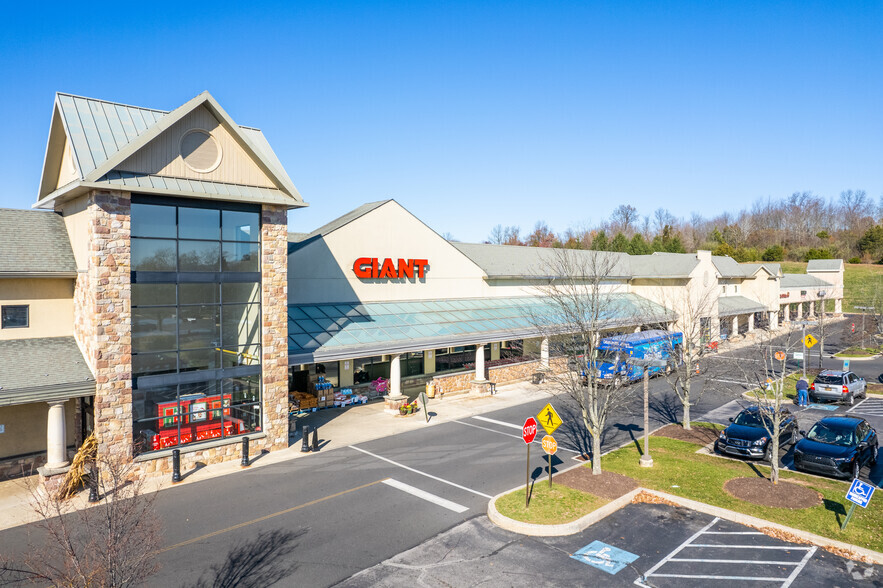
[(786, 313), (479, 363), (56, 437), (544, 354), (750, 322), (799, 310), (774, 320), (735, 330), (395, 376), (838, 307), (812, 309)]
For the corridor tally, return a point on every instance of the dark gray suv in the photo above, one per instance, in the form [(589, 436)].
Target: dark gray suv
[(837, 386)]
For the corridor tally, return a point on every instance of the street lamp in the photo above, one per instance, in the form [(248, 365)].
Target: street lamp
[(646, 364)]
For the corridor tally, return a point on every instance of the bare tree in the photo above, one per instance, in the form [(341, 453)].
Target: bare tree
[(508, 235), (579, 304), (624, 219), (769, 358), (111, 544), (695, 306)]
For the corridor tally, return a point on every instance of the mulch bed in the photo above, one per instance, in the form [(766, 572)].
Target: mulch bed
[(608, 485), (699, 435), (764, 493)]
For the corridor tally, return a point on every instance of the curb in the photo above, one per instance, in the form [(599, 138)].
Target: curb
[(840, 548), (539, 530)]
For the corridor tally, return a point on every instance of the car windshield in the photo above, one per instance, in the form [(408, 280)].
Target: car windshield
[(829, 379), (823, 433), (607, 355), (751, 419)]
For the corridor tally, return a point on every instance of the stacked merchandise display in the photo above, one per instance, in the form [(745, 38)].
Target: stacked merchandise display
[(346, 397), (324, 393), (300, 401)]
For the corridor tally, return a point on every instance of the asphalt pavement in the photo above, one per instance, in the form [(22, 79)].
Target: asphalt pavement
[(320, 519)]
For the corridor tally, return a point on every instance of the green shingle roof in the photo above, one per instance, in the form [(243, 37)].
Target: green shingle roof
[(733, 305), (515, 261), (34, 241), (42, 369), (802, 281), (824, 265)]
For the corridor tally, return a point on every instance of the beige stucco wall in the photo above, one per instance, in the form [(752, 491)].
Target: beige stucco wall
[(25, 426), (51, 301), (764, 288), (322, 271), (76, 220)]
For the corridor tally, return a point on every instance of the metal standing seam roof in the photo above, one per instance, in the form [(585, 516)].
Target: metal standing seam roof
[(789, 281), (336, 331), (44, 369), (34, 241), (516, 261), (733, 305), (185, 187)]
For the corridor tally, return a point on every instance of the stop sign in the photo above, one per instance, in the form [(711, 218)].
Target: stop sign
[(529, 430)]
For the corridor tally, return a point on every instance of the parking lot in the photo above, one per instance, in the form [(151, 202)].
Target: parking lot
[(648, 545)]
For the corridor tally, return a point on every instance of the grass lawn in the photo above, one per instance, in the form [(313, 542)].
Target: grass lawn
[(789, 388), (679, 470), (857, 352), (561, 504), (860, 281)]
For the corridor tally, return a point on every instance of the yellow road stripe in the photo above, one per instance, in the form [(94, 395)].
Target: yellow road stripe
[(269, 516)]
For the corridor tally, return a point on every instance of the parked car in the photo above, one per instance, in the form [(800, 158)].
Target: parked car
[(837, 446), (748, 436), (837, 386)]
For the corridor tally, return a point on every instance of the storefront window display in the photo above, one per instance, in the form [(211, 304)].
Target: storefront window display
[(196, 317)]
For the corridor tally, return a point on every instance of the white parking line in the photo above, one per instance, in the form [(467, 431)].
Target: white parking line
[(703, 574), (436, 478), (537, 441), (458, 508), (870, 406), (501, 423)]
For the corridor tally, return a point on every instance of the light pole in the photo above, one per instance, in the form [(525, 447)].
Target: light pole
[(646, 363), (863, 309)]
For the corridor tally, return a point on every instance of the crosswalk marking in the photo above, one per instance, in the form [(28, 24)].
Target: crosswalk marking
[(444, 503), (869, 406)]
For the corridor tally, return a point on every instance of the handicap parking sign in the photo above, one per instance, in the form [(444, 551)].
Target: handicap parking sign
[(604, 557), (860, 493)]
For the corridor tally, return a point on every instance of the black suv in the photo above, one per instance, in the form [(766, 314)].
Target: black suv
[(837, 446), (748, 437)]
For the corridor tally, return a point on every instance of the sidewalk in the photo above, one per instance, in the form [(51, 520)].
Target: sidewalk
[(338, 427)]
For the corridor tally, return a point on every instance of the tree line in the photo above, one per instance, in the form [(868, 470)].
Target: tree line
[(801, 227)]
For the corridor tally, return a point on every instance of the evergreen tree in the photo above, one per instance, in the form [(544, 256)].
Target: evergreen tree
[(619, 243), (599, 243), (638, 246)]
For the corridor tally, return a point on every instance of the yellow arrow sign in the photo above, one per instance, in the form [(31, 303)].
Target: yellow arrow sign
[(809, 340), (549, 419)]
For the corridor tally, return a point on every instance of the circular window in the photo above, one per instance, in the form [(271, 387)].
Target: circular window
[(200, 151)]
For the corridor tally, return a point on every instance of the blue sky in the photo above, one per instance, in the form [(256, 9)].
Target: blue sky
[(478, 113)]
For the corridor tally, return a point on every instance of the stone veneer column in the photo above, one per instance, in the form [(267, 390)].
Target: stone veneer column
[(274, 324), (103, 317)]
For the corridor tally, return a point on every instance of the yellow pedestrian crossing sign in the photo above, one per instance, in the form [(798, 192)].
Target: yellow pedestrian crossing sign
[(809, 340), (549, 419)]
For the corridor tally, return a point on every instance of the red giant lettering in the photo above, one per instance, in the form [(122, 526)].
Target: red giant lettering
[(373, 268)]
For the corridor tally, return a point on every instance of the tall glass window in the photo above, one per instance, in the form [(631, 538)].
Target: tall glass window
[(195, 321)]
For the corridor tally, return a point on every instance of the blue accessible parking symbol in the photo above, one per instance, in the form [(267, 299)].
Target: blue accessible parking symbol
[(604, 557), (860, 493)]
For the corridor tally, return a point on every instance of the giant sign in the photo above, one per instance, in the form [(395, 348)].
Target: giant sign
[(374, 268)]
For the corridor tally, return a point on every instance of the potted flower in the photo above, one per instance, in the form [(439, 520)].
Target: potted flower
[(403, 410)]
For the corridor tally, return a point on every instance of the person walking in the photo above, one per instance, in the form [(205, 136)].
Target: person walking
[(802, 387)]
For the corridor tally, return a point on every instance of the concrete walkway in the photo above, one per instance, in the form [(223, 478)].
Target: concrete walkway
[(338, 427)]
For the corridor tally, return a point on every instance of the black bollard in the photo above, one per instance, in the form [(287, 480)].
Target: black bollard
[(244, 462), (93, 484), (176, 465), (305, 445), (315, 439)]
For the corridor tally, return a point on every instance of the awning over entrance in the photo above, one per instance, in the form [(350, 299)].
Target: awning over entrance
[(43, 370), (733, 305), (322, 332)]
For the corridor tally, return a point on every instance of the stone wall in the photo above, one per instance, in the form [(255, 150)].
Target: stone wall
[(461, 382), (102, 318), (274, 326)]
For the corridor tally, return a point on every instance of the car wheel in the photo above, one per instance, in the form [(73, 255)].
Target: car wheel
[(850, 399), (856, 468)]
